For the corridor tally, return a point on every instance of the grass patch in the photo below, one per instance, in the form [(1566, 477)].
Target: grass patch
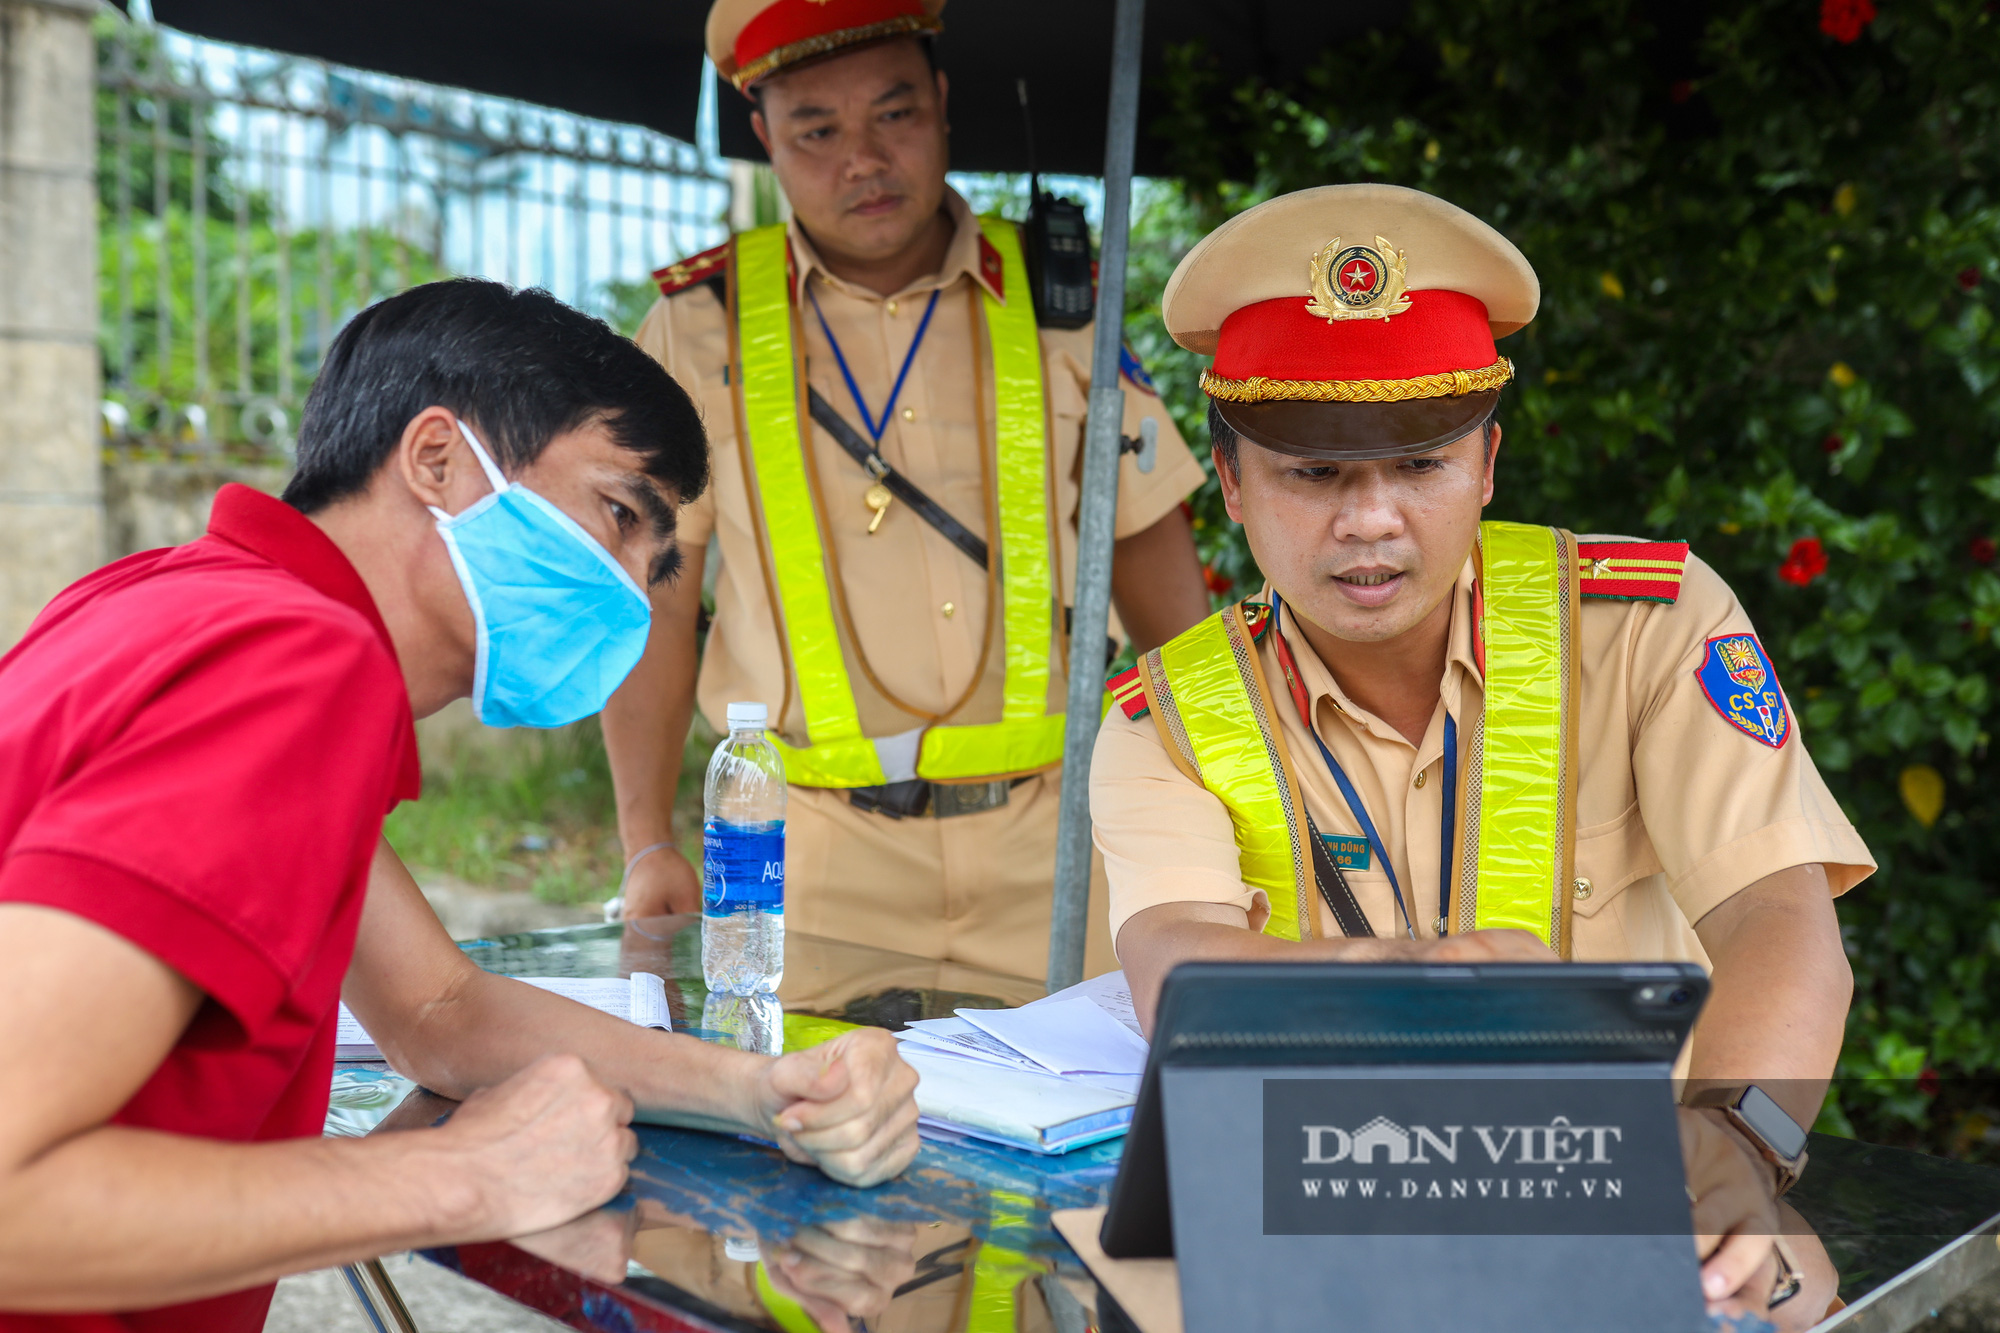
[(533, 811)]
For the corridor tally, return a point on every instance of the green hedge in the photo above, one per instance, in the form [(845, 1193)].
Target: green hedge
[(1768, 259)]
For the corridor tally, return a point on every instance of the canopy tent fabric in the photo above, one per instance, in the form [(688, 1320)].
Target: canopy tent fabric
[(640, 61)]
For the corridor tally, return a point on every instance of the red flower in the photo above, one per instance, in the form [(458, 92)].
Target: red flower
[(1968, 278), (1806, 562), (1680, 90), (1981, 549), (1927, 1082), (1843, 20), (1219, 584), (1553, 429), (1831, 444)]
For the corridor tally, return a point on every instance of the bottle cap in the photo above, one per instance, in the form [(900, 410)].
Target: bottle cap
[(742, 715)]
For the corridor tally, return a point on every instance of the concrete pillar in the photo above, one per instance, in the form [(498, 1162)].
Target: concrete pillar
[(51, 492)]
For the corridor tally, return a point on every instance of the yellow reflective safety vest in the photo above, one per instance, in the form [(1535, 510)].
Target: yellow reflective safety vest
[(771, 391), (1516, 842)]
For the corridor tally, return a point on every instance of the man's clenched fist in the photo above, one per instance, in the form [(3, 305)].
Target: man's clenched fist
[(847, 1106)]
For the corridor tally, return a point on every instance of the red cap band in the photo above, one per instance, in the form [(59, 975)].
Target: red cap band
[(1280, 339), (789, 22)]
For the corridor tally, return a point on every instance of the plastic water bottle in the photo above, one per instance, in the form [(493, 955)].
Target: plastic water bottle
[(743, 860)]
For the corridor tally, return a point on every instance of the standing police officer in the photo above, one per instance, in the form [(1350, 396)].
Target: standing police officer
[(910, 644), (1436, 737)]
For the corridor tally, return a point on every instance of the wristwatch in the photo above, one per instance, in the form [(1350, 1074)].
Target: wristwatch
[(1775, 1135)]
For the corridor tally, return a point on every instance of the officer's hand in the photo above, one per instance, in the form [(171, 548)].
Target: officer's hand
[(845, 1270), (662, 882), (547, 1145), (1490, 946), (1735, 1209), (846, 1106)]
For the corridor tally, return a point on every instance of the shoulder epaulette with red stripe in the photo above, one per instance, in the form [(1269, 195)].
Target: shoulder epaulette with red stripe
[(1128, 693), (682, 274), (1632, 571), (990, 266)]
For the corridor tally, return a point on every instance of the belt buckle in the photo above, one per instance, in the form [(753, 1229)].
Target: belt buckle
[(967, 798)]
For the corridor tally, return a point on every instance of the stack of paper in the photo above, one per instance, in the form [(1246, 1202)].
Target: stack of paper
[(1050, 1076), (642, 999)]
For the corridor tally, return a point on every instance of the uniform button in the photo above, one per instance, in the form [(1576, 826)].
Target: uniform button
[(948, 608), (1582, 890), (909, 414), (1421, 776), (892, 307)]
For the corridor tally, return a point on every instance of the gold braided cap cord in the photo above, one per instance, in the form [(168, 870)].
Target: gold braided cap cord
[(832, 41), (1449, 384)]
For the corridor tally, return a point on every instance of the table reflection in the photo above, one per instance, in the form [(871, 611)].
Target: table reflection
[(855, 983), (723, 1233), (732, 1232)]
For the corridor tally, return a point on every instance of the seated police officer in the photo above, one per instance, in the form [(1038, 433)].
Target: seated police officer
[(1432, 737)]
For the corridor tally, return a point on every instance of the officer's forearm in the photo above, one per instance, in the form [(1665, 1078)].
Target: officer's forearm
[(646, 721), (1156, 582), (1153, 942), (1778, 997)]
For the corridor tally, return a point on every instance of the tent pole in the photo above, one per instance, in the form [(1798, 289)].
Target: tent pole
[(1095, 523)]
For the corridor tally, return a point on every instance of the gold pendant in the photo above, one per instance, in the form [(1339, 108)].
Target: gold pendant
[(877, 498)]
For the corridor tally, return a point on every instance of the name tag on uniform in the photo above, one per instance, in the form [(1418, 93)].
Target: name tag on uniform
[(1349, 851)]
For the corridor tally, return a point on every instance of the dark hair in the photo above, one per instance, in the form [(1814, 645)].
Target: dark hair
[(520, 366), (923, 39), (1221, 435)]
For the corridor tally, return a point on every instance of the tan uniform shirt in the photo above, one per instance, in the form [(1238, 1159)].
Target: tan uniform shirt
[(1676, 808), (919, 605), (975, 888)]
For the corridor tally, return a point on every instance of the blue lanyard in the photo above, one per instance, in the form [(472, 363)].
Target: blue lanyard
[(1360, 811), (875, 428)]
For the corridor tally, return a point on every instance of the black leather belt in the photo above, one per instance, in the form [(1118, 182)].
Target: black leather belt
[(940, 800)]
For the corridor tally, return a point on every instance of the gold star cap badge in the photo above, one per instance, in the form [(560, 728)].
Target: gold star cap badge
[(1358, 281)]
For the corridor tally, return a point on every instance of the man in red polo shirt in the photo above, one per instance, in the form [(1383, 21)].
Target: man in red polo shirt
[(197, 747)]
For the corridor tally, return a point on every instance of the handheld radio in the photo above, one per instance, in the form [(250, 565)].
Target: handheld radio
[(1056, 245)]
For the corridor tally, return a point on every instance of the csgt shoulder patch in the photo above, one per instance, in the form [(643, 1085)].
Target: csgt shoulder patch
[(1737, 676), (1134, 370), (1128, 693), (1632, 571)]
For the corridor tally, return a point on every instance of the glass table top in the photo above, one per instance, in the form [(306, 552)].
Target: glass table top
[(720, 1233)]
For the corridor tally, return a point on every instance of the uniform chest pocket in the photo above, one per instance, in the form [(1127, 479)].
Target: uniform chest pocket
[(1610, 856)]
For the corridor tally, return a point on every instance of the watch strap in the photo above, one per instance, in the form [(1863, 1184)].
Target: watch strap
[(1728, 1100)]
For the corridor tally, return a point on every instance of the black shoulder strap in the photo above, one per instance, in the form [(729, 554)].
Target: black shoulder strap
[(1332, 884), (900, 486)]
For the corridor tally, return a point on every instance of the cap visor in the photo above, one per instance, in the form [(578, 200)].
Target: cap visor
[(1337, 431)]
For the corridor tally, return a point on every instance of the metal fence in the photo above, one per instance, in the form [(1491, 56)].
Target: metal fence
[(252, 202)]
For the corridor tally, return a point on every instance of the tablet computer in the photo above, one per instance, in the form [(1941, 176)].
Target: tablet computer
[(1530, 1020)]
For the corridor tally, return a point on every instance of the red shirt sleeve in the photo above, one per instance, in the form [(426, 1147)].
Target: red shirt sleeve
[(224, 820)]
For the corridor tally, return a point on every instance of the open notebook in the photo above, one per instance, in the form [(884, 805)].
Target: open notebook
[(1054, 1075), (642, 999)]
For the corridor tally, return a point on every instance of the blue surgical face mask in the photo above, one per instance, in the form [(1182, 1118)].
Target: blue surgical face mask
[(559, 623)]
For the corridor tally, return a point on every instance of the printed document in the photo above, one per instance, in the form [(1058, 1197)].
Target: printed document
[(642, 999)]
